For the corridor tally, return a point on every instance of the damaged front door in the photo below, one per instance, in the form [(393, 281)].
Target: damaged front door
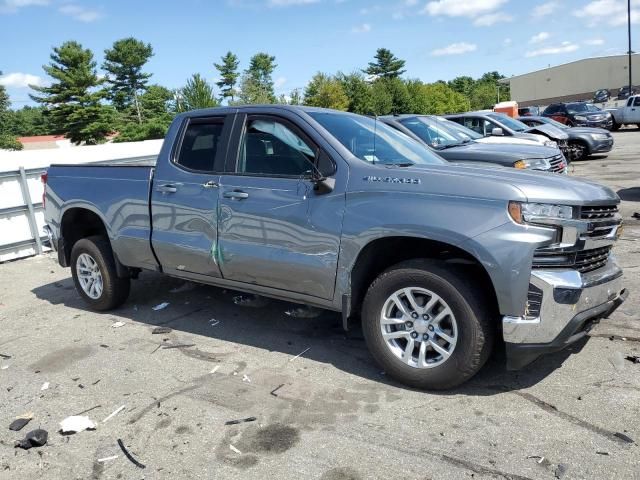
[(274, 229)]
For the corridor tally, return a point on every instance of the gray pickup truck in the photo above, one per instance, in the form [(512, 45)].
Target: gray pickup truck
[(340, 211)]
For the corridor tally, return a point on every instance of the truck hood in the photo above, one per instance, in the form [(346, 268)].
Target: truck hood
[(504, 154), (488, 182), (550, 131)]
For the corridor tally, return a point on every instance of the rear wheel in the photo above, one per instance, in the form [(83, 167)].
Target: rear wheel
[(426, 325), (94, 273)]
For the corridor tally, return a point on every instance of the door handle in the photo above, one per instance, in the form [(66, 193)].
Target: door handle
[(210, 184), (238, 195), (167, 188)]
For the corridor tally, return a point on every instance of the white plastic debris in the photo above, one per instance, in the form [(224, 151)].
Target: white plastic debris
[(185, 287), (118, 325), (213, 322), (245, 378), (107, 459), (215, 369), (304, 311), (161, 306), (300, 354), (76, 424), (45, 386), (4, 367), (117, 411), (235, 450)]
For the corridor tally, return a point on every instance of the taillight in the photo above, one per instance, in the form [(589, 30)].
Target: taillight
[(43, 179)]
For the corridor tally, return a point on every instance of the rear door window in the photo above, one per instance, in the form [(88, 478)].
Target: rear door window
[(200, 147)]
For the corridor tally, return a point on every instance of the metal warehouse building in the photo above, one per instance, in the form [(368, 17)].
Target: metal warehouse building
[(574, 81)]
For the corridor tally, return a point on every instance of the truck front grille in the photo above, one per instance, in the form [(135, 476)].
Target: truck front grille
[(557, 164), (598, 212), (582, 261)]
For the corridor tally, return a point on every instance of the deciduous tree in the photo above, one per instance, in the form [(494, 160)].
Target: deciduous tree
[(327, 92)]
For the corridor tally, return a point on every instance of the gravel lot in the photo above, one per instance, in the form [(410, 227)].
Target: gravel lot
[(335, 415)]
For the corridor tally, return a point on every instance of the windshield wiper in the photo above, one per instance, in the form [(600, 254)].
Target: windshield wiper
[(400, 164)]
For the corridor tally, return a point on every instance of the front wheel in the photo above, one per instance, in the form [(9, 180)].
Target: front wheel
[(579, 151), (615, 126), (427, 326), (94, 274)]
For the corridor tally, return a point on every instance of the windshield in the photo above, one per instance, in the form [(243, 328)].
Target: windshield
[(374, 142), (509, 122), (463, 132), (433, 133)]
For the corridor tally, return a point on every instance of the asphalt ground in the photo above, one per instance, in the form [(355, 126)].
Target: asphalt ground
[(329, 413)]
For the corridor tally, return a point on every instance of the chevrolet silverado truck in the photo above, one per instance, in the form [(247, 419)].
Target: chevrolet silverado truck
[(629, 114), (438, 261)]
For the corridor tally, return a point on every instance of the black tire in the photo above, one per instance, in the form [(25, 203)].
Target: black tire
[(581, 151), (115, 290), (615, 126), (474, 317)]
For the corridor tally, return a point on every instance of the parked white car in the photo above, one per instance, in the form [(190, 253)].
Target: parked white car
[(627, 115)]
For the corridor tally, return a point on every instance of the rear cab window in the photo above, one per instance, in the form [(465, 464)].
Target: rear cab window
[(200, 148)]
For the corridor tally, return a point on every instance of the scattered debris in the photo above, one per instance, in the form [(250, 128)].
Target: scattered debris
[(76, 424), (104, 346), (235, 450), (561, 469), (603, 453), (537, 457), (88, 410), (245, 378), (129, 456), (300, 354), (248, 300), (96, 382), (118, 325), (633, 358), (107, 459), (4, 367), (215, 369), (636, 215), (113, 414), (617, 360), (304, 311), (160, 330), (35, 438), (18, 424), (45, 386), (273, 392), (80, 385), (155, 349), (242, 420), (161, 306), (180, 345), (5, 356), (624, 438), (185, 287), (213, 322)]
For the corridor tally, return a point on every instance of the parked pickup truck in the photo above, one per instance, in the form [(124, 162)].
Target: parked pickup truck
[(627, 115), (343, 212)]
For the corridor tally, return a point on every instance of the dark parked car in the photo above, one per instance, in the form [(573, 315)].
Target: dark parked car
[(625, 92), (601, 96), (583, 141), (524, 111), (579, 114), (454, 146)]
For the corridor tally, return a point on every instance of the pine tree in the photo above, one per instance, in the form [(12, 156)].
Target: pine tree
[(7, 141), (123, 63), (73, 100), (197, 93), (228, 75), (386, 65), (257, 80)]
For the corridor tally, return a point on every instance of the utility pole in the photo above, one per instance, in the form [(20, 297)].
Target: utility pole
[(629, 35)]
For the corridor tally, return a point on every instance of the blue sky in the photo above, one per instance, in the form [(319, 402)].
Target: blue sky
[(439, 39)]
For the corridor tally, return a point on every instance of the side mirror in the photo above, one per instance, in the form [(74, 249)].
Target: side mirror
[(497, 132)]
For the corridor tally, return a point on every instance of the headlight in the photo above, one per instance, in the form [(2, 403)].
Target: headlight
[(533, 163), (551, 143), (599, 136), (581, 117), (538, 212)]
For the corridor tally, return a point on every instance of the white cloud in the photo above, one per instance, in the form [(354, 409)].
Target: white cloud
[(12, 6), (564, 47), (80, 13), (279, 82), (611, 12), (20, 80), (544, 9), (364, 28), (540, 37), (455, 49), (506, 42), (492, 18), (462, 8), (289, 3), (594, 41)]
